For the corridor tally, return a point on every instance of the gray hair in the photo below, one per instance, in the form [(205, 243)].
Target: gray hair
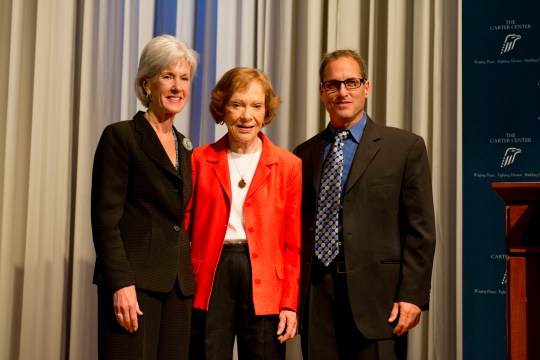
[(159, 53)]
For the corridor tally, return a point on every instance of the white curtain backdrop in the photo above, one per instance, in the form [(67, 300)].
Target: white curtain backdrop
[(68, 68)]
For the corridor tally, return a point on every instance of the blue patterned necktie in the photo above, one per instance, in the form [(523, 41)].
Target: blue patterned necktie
[(328, 203)]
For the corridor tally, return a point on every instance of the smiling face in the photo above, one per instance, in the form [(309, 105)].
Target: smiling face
[(169, 89), (244, 117), (345, 107)]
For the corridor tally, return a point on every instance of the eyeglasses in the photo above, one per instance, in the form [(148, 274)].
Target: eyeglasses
[(350, 84)]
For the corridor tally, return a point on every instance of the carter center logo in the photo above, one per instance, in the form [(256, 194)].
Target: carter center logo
[(509, 42), (510, 156)]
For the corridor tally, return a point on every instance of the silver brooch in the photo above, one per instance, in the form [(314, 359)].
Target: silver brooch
[(187, 144)]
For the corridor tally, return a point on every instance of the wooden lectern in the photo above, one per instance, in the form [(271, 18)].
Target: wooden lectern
[(522, 268)]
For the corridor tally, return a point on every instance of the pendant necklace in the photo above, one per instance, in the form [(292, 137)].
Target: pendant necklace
[(242, 183)]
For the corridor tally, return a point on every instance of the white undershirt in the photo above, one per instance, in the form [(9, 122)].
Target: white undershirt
[(240, 166)]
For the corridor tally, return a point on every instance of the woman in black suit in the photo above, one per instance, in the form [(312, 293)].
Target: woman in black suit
[(141, 183)]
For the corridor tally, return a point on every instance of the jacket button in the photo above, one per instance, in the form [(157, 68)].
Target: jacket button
[(176, 228), (248, 204), (251, 229), (258, 281), (254, 256)]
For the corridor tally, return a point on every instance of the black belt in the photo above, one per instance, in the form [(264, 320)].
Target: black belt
[(336, 267), (235, 247)]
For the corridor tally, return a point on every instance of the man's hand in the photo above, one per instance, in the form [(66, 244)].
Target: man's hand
[(409, 317), (126, 308), (287, 325)]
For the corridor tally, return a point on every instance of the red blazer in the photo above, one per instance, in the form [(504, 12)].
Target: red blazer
[(272, 223)]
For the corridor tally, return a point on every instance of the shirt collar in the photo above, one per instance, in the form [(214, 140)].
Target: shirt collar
[(356, 130)]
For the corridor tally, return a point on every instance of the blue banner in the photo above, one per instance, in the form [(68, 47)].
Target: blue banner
[(501, 143), (165, 17)]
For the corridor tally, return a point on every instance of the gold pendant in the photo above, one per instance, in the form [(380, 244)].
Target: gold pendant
[(242, 183)]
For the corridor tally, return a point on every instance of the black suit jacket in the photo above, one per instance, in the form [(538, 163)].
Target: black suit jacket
[(388, 223), (138, 201)]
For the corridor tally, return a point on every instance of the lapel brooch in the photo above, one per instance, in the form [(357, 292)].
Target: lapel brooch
[(187, 144)]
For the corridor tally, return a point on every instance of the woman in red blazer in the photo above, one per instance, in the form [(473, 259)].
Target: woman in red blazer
[(244, 226)]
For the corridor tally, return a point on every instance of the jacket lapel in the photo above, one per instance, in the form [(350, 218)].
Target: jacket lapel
[(151, 145), (184, 159), (217, 158), (262, 171), (317, 158), (366, 151)]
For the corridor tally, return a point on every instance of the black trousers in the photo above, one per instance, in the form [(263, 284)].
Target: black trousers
[(231, 313), (164, 327), (330, 332)]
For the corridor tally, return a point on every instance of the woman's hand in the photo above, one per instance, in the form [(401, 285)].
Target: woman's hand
[(126, 308), (287, 326)]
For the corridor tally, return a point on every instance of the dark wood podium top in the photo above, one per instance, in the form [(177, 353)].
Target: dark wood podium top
[(518, 192)]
